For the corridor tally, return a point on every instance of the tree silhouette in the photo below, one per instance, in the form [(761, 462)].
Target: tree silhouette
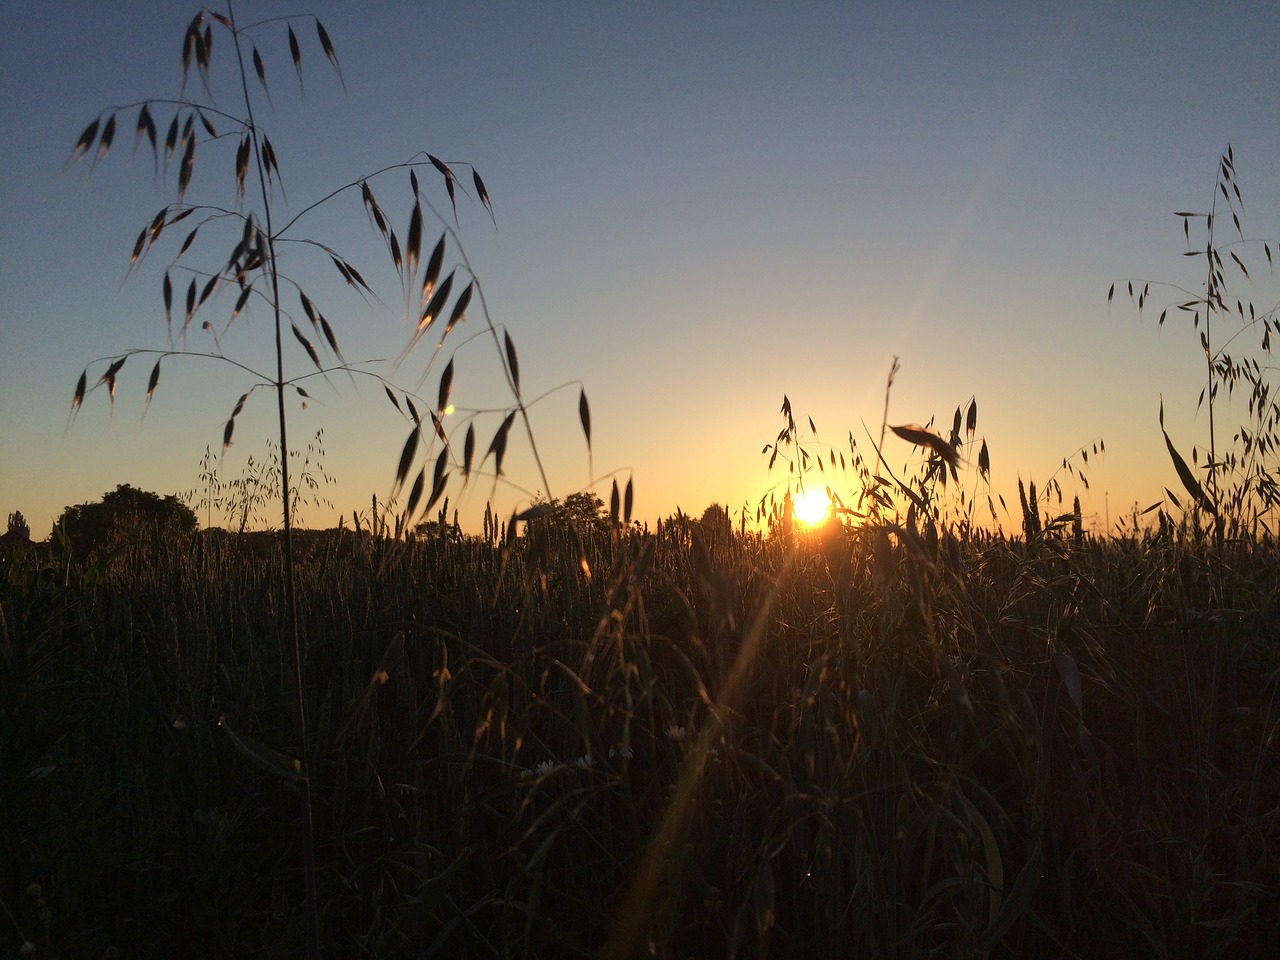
[(19, 531), (123, 513)]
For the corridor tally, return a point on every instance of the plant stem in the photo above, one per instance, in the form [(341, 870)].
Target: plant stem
[(291, 600)]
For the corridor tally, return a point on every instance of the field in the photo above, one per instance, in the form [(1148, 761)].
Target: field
[(684, 742), (895, 733)]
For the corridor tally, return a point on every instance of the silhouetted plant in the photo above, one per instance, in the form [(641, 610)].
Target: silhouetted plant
[(244, 501), (716, 523), (583, 510), (122, 514), (1242, 478), (1030, 511), (882, 495), (253, 231), (17, 530)]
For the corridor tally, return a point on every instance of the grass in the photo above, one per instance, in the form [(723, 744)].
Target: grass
[(253, 203), (895, 735), (1057, 748)]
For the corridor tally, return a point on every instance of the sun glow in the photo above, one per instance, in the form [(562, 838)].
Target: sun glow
[(813, 507)]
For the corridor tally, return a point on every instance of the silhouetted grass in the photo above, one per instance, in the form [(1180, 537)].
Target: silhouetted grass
[(1059, 748)]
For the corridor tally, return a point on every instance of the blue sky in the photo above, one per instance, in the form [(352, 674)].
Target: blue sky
[(700, 208)]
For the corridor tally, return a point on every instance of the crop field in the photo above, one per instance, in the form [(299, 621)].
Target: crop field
[(681, 742), (890, 728)]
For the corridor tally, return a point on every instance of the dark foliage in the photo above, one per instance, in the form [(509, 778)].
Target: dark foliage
[(125, 513)]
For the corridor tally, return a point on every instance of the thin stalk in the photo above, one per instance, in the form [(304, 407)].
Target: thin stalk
[(291, 599), (1210, 298), (1213, 297)]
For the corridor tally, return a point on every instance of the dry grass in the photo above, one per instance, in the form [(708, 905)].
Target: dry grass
[(1059, 751)]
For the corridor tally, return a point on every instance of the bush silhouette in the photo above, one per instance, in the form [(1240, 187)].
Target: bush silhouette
[(122, 514)]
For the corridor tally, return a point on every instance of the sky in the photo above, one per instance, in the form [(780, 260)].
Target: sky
[(700, 208)]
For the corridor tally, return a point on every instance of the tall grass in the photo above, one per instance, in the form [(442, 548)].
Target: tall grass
[(250, 216), (998, 748), (906, 736)]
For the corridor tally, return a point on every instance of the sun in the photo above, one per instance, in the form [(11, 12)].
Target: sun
[(812, 507)]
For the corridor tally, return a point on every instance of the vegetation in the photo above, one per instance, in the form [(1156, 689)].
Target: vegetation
[(121, 514), (249, 221), (250, 501), (1241, 485), (17, 529), (1061, 747), (903, 732)]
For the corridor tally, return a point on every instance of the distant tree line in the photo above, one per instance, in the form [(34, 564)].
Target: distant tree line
[(127, 513)]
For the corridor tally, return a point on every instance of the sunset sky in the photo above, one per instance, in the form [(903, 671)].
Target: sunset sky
[(700, 208)]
